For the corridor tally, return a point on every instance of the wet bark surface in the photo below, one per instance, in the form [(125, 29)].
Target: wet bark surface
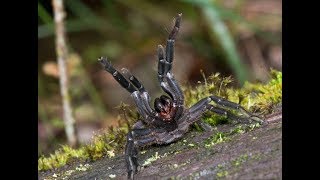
[(256, 154)]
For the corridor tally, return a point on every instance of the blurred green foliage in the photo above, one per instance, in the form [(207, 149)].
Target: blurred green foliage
[(131, 30), (221, 32), (110, 18)]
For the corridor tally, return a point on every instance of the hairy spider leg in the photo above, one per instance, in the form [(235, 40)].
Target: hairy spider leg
[(150, 115), (131, 152), (125, 84), (228, 104), (195, 112), (166, 65), (143, 93), (136, 139), (203, 105), (148, 118), (168, 85), (165, 77), (133, 79), (204, 126), (141, 101), (228, 114), (171, 40), (116, 75)]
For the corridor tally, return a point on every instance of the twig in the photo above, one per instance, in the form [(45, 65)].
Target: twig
[(62, 55), (256, 58)]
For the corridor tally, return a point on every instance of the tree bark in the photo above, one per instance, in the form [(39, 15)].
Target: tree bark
[(255, 154)]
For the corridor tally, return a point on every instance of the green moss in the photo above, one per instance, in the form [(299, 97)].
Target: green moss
[(240, 160), (59, 158), (221, 171), (222, 174), (255, 97), (153, 158), (220, 137), (234, 165), (216, 139), (101, 146), (176, 166), (83, 167), (104, 144)]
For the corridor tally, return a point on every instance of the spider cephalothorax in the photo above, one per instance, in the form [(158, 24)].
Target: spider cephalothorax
[(169, 120)]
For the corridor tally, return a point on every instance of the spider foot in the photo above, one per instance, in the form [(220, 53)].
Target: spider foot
[(176, 27), (259, 120), (132, 167), (131, 153), (240, 119), (251, 121), (251, 116), (116, 75), (206, 127), (130, 175), (105, 63)]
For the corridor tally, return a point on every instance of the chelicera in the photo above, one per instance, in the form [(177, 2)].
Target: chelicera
[(169, 119)]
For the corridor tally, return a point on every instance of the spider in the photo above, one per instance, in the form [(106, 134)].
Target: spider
[(169, 120)]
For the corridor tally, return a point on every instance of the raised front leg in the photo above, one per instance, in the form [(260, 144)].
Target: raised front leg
[(165, 76), (145, 97), (116, 75), (138, 92)]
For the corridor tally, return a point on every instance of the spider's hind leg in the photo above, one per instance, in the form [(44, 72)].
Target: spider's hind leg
[(228, 104), (203, 105), (205, 126), (136, 139), (228, 114), (195, 113), (131, 153), (131, 150)]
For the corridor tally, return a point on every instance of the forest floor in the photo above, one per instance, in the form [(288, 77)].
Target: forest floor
[(254, 154)]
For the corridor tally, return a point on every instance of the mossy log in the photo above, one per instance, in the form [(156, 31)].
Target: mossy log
[(253, 154)]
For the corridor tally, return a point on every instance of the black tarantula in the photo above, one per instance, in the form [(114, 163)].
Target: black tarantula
[(170, 119)]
